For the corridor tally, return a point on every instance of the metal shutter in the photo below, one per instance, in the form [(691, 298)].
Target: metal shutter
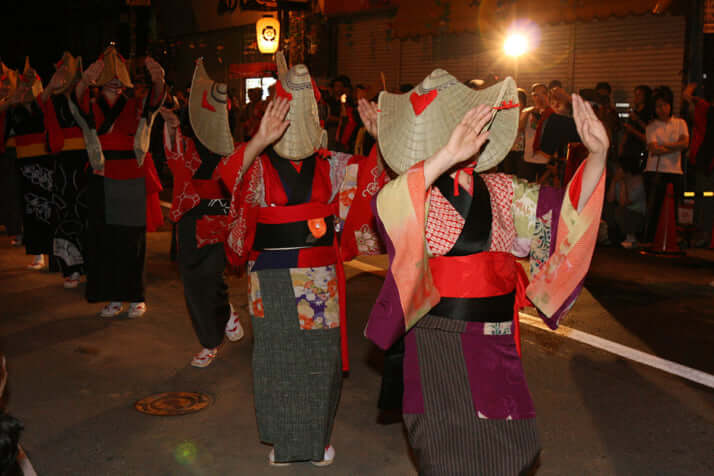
[(456, 53), (416, 59), (365, 49), (474, 59), (630, 51), (550, 59)]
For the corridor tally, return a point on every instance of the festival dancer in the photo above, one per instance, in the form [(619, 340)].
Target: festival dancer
[(71, 173), (194, 149), (11, 195), (123, 189), (454, 285), (290, 196), (35, 164)]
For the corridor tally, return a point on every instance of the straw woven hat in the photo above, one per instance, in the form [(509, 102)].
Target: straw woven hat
[(208, 112), (304, 136), (114, 67), (30, 79), (71, 68), (8, 79), (415, 125)]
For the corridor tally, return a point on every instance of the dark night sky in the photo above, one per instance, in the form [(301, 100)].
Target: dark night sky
[(45, 29)]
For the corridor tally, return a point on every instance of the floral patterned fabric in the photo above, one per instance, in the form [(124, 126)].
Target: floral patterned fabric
[(183, 161), (255, 298), (520, 223), (316, 297)]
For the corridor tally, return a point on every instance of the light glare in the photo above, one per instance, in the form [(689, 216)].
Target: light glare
[(516, 44)]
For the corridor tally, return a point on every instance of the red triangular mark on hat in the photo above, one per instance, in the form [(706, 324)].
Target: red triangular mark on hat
[(205, 104), (421, 101)]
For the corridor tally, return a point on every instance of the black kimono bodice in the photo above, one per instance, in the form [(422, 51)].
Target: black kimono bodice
[(476, 211), (27, 121), (475, 238)]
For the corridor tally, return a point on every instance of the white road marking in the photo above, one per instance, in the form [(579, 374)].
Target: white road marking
[(635, 355), (623, 351)]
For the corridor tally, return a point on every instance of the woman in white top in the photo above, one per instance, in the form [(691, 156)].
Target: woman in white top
[(667, 137)]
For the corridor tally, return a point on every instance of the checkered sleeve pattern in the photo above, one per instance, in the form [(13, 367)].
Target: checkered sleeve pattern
[(503, 230), (443, 224)]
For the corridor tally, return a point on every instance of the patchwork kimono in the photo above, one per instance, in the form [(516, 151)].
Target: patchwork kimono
[(122, 196), (36, 167), (293, 223), (71, 178), (200, 209), (455, 293)]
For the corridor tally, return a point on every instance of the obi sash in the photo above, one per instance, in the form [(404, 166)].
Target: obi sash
[(31, 145), (482, 287), (73, 139), (317, 219)]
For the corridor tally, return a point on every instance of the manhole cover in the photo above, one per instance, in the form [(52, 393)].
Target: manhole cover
[(173, 403)]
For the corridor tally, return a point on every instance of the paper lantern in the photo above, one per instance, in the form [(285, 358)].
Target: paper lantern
[(268, 34)]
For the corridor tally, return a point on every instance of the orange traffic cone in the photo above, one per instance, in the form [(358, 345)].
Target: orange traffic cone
[(666, 238)]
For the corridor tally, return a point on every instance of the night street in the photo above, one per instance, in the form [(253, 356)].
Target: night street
[(74, 378)]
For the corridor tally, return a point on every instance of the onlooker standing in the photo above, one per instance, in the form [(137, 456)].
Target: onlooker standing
[(634, 143), (515, 156), (608, 115), (625, 203), (533, 164), (334, 101), (557, 131), (666, 136), (701, 157)]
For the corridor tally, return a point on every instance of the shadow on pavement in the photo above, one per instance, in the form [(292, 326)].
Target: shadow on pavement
[(660, 423)]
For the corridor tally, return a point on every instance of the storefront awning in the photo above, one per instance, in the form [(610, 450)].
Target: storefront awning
[(429, 17)]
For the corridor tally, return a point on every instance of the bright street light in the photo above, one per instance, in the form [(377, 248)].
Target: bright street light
[(516, 44)]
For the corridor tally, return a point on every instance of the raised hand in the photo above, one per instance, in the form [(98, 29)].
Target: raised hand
[(155, 70), (368, 113), (273, 123), (465, 142), (92, 73), (57, 82), (468, 137), (591, 130), (170, 117)]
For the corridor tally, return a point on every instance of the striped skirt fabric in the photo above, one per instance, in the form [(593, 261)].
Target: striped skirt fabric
[(297, 375), (450, 437)]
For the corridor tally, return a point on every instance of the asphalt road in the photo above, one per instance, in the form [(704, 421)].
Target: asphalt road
[(75, 377)]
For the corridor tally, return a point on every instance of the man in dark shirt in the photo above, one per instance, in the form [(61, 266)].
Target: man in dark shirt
[(558, 131)]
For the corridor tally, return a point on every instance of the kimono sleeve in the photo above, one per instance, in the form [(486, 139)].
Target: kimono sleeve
[(408, 292), (231, 166), (359, 180), (562, 246), (55, 137)]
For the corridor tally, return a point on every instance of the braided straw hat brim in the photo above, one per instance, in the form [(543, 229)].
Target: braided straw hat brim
[(210, 120), (36, 87), (74, 70), (9, 78), (304, 136), (114, 67), (406, 138)]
